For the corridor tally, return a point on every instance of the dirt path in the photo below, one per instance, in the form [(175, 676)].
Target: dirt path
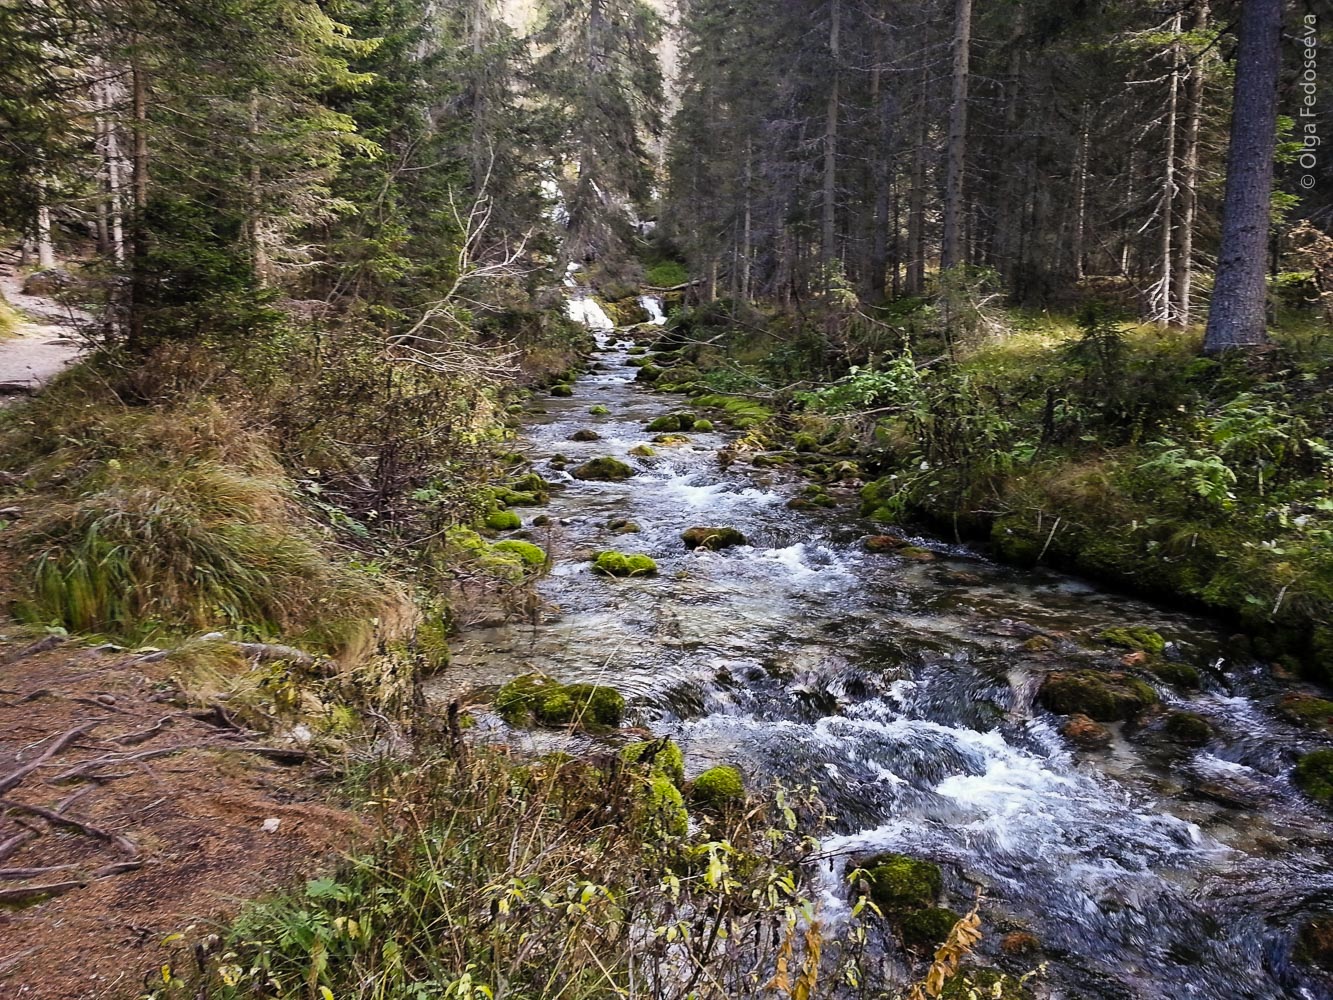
[(46, 343), (128, 813)]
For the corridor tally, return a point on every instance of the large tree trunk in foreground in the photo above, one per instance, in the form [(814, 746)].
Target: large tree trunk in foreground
[(1236, 317)]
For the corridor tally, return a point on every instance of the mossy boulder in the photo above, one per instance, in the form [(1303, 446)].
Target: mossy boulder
[(659, 757), (672, 422), (712, 539), (622, 526), (883, 543), (900, 884), (1314, 776), (703, 426), (1136, 637), (562, 390), (663, 809), (585, 434), (671, 440), (547, 701), (503, 520), (1308, 710), (604, 469), (531, 555), (805, 443), (620, 564), (1175, 673), (740, 413), (772, 461), (642, 451), (1086, 733), (1189, 728), (1105, 697), (599, 410), (506, 497), (927, 929), (719, 788), (971, 983), (533, 484)]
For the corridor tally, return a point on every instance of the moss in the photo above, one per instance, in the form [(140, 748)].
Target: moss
[(531, 482), (503, 520), (769, 461), (599, 410), (648, 373), (883, 543), (1189, 728), (1106, 697), (1181, 675), (506, 497), (562, 389), (1314, 776), (642, 451), (719, 788), (660, 756), (712, 539), (927, 929), (536, 696), (1307, 710), (970, 983), (622, 526), (917, 554), (805, 443), (900, 884), (672, 422), (584, 434), (605, 469), (671, 440), (620, 564), (664, 809), (1137, 637), (531, 555), (741, 413), (703, 426)]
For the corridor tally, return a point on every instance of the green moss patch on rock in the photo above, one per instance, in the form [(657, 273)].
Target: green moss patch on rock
[(585, 434), (712, 539), (1314, 776), (1189, 728), (971, 983), (536, 697), (671, 440), (1136, 637), (642, 451), (530, 554), (718, 788), (927, 929), (503, 520), (672, 422), (1308, 710), (900, 884), (562, 390), (1175, 673), (1105, 697), (740, 413), (663, 809), (620, 564), (659, 757), (604, 469), (703, 426)]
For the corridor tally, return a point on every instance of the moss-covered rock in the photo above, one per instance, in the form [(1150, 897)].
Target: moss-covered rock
[(671, 440), (1189, 728), (883, 543), (506, 497), (642, 451), (773, 461), (740, 413), (712, 539), (622, 526), (805, 443), (1314, 776), (1105, 697), (531, 555), (605, 469), (971, 983), (545, 700), (620, 564), (1314, 944), (503, 520), (1136, 637), (900, 884), (1086, 733), (703, 426), (562, 389), (1308, 710), (672, 422), (927, 929), (1175, 673), (585, 434), (663, 809), (719, 788), (659, 757)]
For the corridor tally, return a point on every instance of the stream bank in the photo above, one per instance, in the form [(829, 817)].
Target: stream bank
[(903, 686)]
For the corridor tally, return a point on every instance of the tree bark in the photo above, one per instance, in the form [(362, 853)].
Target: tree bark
[(1189, 176), (46, 254), (139, 226), (1081, 197), (827, 248), (951, 248), (916, 202), (1162, 312), (1236, 316)]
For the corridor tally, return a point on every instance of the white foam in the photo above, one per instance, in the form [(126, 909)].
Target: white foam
[(590, 313), (653, 306)]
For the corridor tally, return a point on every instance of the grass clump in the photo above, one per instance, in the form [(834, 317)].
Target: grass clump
[(658, 756), (620, 564)]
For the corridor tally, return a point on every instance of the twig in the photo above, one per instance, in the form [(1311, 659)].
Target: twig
[(28, 893), (13, 778)]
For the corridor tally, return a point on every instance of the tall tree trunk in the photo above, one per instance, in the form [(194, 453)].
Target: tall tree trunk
[(951, 248), (46, 254), (827, 248), (1163, 314), (1189, 175), (139, 226), (916, 202), (747, 235), (879, 235), (1236, 316), (254, 223), (1081, 197)]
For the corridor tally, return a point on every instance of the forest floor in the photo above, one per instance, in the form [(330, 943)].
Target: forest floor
[(43, 344), (131, 813)]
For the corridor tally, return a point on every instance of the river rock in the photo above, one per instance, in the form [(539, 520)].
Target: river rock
[(604, 469), (1315, 943), (712, 539), (1105, 697), (1085, 732), (585, 435), (52, 281)]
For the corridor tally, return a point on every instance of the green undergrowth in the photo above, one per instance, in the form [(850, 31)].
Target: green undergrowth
[(550, 878)]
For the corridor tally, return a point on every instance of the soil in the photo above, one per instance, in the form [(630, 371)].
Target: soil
[(173, 812)]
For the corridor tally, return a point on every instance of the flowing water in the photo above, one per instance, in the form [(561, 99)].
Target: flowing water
[(904, 691)]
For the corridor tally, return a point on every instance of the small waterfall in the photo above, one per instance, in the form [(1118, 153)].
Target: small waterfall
[(653, 306), (588, 311)]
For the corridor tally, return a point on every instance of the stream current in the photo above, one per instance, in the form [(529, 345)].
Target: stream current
[(905, 691)]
